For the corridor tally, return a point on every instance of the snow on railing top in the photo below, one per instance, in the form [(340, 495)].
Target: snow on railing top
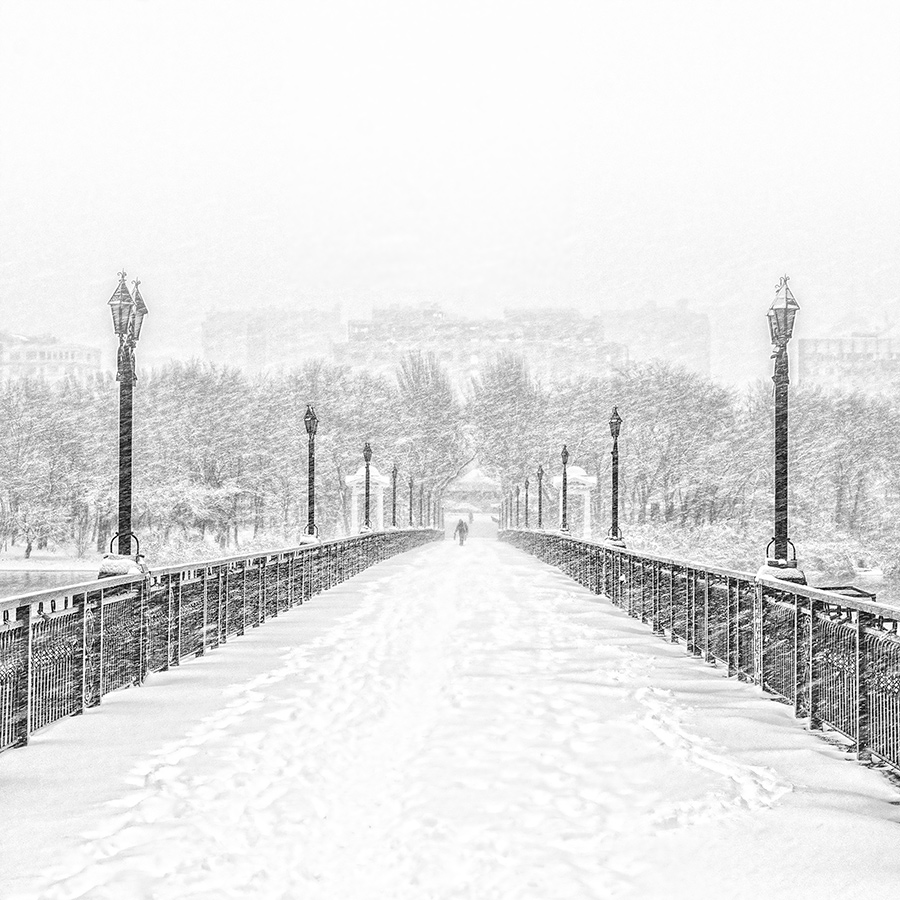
[(884, 610), (44, 595)]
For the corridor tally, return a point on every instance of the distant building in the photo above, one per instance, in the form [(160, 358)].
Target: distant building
[(273, 338), (865, 362), (673, 334), (45, 357), (556, 343), (473, 492)]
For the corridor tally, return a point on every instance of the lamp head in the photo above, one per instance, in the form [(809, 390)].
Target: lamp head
[(782, 314), (121, 306), (615, 422), (311, 421)]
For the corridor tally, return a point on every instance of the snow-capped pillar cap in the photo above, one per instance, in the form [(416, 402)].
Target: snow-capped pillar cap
[(358, 479), (576, 477)]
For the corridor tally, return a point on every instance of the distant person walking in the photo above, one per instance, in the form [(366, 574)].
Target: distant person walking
[(462, 530)]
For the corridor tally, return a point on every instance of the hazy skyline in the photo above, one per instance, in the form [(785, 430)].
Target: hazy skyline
[(478, 155)]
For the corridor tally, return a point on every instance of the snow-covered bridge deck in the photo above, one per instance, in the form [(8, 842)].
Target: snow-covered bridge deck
[(452, 723)]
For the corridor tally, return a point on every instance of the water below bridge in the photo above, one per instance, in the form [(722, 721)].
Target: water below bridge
[(453, 723)]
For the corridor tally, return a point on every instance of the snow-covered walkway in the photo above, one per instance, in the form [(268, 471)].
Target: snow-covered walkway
[(453, 723)]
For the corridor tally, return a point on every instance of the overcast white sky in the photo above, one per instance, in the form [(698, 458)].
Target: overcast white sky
[(481, 154)]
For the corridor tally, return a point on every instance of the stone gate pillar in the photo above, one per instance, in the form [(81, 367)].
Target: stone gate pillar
[(579, 484), (357, 485)]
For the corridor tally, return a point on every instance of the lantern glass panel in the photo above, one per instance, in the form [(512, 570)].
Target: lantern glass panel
[(773, 327), (121, 308), (139, 310), (782, 314), (138, 320)]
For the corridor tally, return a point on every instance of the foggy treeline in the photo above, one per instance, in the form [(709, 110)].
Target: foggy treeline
[(220, 456), (696, 460)]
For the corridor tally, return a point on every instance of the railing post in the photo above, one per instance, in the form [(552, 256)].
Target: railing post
[(92, 650), (23, 695), (689, 616), (731, 630), (654, 587), (758, 636), (815, 722), (671, 595), (244, 567), (79, 603), (179, 621), (799, 675), (863, 711), (224, 606), (135, 648), (709, 656), (205, 620), (672, 636)]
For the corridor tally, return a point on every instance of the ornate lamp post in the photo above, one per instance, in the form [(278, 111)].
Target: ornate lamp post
[(394, 473), (526, 502), (410, 501), (311, 421), (781, 315), (564, 499), (517, 506), (128, 315), (614, 536), (421, 503), (540, 477), (367, 456)]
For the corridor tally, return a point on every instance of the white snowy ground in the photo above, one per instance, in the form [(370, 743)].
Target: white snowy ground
[(455, 723)]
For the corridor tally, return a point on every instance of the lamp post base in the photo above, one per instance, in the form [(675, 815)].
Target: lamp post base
[(614, 542), (781, 570)]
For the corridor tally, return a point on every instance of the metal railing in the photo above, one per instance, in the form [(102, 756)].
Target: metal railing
[(834, 658), (62, 649)]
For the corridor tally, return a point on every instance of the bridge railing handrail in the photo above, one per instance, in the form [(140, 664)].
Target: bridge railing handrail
[(50, 593), (835, 658), (62, 649), (883, 610)]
